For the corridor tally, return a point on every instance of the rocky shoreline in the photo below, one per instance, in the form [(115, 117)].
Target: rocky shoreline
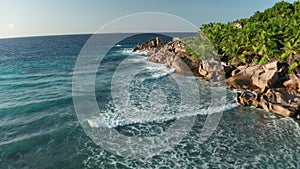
[(268, 86)]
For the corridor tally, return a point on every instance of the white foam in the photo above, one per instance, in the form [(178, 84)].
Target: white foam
[(130, 52), (111, 122), (136, 59), (160, 74), (145, 52), (156, 66), (92, 123)]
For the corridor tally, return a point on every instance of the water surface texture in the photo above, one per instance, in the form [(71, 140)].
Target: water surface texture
[(39, 127)]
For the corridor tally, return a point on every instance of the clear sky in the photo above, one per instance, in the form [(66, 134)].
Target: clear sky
[(43, 17)]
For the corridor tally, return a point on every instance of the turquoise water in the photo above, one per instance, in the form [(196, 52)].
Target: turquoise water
[(39, 126)]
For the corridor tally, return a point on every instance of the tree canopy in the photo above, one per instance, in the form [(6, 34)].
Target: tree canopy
[(265, 36)]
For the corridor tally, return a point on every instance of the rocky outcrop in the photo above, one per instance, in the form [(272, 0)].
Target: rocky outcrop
[(293, 82), (273, 90), (173, 54), (175, 46), (276, 91), (241, 79), (256, 77), (212, 70), (280, 101), (171, 60), (170, 54), (152, 43)]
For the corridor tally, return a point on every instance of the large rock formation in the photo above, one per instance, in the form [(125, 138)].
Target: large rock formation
[(171, 60), (212, 70), (277, 92), (152, 43), (279, 101), (256, 77), (170, 54), (173, 54), (293, 82)]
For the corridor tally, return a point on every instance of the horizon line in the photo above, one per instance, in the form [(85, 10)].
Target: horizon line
[(86, 33)]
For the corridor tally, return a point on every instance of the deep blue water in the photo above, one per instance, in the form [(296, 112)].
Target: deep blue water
[(39, 127)]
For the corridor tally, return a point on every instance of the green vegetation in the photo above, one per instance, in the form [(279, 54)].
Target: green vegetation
[(292, 67), (191, 52), (270, 35), (200, 47)]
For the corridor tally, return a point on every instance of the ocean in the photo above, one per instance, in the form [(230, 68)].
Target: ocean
[(40, 128)]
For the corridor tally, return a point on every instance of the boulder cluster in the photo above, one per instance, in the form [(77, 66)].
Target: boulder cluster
[(170, 54), (266, 86), (275, 90)]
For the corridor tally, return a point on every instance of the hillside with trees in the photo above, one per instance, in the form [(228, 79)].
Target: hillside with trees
[(273, 34)]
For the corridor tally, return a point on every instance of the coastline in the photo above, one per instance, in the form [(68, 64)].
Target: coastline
[(266, 86)]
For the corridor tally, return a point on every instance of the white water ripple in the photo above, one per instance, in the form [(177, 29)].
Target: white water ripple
[(110, 122)]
